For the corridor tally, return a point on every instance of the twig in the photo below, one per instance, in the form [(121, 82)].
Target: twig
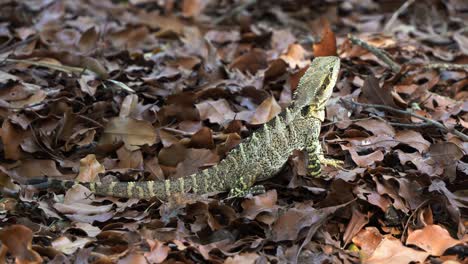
[(447, 66), (418, 125), (64, 68), (381, 54), (395, 15), (18, 44), (395, 67), (403, 112), (234, 11)]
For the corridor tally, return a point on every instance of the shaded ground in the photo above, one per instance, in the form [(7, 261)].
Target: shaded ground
[(146, 90)]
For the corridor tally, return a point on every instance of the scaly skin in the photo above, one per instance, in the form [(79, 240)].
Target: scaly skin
[(260, 156)]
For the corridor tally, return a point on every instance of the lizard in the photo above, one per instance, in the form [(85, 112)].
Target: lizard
[(258, 157)]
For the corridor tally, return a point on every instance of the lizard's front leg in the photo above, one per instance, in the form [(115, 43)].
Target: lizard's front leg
[(316, 159)]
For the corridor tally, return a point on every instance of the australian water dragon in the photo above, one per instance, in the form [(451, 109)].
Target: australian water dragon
[(257, 158)]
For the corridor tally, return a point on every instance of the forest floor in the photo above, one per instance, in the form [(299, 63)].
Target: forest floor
[(149, 90)]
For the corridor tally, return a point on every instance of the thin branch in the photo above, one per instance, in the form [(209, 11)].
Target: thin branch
[(403, 112), (64, 68), (379, 53), (234, 11), (395, 15), (447, 66), (18, 44), (395, 67)]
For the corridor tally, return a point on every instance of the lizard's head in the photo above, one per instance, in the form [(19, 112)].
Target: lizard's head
[(329, 67), (316, 86)]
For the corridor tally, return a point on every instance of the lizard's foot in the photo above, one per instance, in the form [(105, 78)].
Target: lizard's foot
[(314, 168), (236, 193), (331, 162)]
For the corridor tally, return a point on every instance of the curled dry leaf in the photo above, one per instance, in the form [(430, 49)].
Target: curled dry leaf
[(424, 239), (133, 133), (377, 127), (366, 160), (12, 137), (327, 44), (374, 94), (193, 8), (268, 109), (295, 56), (158, 251), (130, 159), (261, 204), (67, 246), (247, 258), (202, 139), (288, 225), (89, 169), (88, 40), (217, 112), (414, 139), (196, 159), (31, 168), (367, 240), (17, 240), (251, 62), (392, 251)]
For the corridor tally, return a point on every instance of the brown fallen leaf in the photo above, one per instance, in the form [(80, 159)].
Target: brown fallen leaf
[(367, 240), (366, 160), (133, 133), (251, 62), (194, 160), (217, 112), (193, 8), (377, 127), (130, 159), (424, 239), (327, 44), (12, 137), (88, 40), (259, 205), (17, 240), (158, 251), (89, 169), (30, 168), (391, 251), (268, 109), (374, 94), (246, 258), (289, 224), (414, 139), (357, 222), (202, 139), (294, 56)]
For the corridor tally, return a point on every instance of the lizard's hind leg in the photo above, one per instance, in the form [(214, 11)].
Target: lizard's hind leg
[(244, 184)]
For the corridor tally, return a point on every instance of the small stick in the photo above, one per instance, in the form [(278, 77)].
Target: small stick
[(381, 54), (447, 66), (234, 11), (395, 67), (427, 120), (395, 15), (18, 44)]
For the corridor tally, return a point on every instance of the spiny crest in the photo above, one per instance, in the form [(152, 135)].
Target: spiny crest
[(280, 126)]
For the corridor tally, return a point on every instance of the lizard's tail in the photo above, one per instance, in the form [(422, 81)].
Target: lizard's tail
[(141, 190), (163, 189), (47, 183)]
